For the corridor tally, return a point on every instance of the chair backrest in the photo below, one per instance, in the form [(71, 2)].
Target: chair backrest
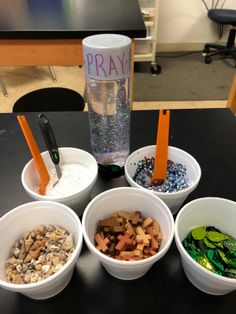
[(50, 99), (214, 4), (231, 102)]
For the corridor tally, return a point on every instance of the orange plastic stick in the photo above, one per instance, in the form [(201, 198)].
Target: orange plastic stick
[(161, 158), (38, 160)]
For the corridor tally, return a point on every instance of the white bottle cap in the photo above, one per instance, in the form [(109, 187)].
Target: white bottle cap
[(107, 56)]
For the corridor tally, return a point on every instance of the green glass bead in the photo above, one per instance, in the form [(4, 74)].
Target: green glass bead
[(233, 254), (213, 250), (219, 244), (209, 243), (230, 272), (204, 261), (223, 256), (218, 272), (215, 236), (230, 244), (193, 253), (199, 233), (202, 246), (212, 256), (232, 262)]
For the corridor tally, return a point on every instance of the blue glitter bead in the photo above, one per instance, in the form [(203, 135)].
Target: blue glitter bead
[(175, 181)]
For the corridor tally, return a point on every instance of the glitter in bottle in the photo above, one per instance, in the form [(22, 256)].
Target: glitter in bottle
[(107, 70), (109, 119)]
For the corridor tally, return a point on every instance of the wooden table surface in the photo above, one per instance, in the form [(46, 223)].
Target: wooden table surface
[(207, 134), (46, 32)]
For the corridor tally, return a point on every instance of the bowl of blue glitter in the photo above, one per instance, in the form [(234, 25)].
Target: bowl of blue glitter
[(183, 174), (205, 236)]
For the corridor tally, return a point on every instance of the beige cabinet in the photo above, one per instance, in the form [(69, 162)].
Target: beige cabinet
[(145, 48)]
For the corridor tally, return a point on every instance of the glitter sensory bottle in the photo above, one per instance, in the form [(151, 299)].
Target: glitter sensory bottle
[(107, 63)]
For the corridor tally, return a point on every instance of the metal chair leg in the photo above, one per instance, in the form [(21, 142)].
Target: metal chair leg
[(3, 87), (53, 74)]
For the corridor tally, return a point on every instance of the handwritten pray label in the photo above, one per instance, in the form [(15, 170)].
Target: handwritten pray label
[(107, 66)]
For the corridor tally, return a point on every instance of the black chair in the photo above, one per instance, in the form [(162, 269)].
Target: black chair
[(222, 17), (50, 99)]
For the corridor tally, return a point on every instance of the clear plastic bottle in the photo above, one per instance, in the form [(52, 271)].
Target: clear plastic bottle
[(107, 68)]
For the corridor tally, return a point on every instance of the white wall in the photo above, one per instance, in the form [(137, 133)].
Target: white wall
[(186, 21)]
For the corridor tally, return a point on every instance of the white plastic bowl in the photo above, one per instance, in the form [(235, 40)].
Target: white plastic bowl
[(128, 199), (173, 200), (208, 211), (68, 155), (27, 217)]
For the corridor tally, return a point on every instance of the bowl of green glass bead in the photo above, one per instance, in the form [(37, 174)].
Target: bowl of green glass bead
[(205, 236)]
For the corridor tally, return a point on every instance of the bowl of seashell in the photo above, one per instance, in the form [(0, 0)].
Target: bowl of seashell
[(40, 244)]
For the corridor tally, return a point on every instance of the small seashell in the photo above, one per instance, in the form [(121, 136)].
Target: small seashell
[(32, 255), (17, 245), (58, 267), (9, 270), (50, 228), (10, 261), (16, 251), (34, 278), (45, 268), (62, 255), (41, 259), (28, 242), (38, 266), (17, 279), (49, 256), (60, 231), (30, 266), (56, 260), (41, 230), (18, 268), (53, 236), (22, 253), (68, 244), (54, 248), (24, 268), (27, 278)]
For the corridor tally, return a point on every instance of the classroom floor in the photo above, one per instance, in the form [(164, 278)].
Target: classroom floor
[(21, 80)]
